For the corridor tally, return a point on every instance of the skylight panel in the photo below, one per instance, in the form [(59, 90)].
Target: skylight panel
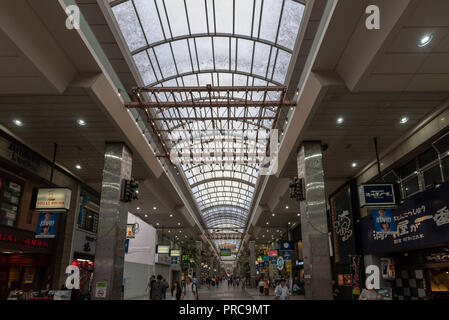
[(150, 20), (224, 16), (177, 17), (243, 21), (281, 68), (129, 25), (261, 55), (182, 59), (290, 23), (165, 25), (197, 16), (221, 52), (244, 55), (270, 19), (204, 49), (165, 59), (143, 65)]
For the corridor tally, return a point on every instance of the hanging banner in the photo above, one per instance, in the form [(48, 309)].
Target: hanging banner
[(355, 276), (422, 220), (286, 245), (46, 226), (377, 195), (280, 263), (130, 231)]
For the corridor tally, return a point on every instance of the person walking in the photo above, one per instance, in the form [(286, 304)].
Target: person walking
[(164, 290), (281, 292), (150, 287), (176, 291), (190, 290), (261, 286), (158, 289)]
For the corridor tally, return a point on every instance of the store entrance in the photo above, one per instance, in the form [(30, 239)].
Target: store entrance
[(439, 282)]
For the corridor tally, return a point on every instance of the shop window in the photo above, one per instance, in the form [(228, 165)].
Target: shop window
[(411, 186), (10, 193), (407, 169), (427, 157), (89, 220), (432, 176)]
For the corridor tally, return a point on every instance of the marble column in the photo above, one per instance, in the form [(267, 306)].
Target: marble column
[(315, 242), (110, 247), (252, 262)]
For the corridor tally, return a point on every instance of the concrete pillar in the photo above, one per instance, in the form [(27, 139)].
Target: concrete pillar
[(198, 266), (110, 248), (317, 265), (252, 262)]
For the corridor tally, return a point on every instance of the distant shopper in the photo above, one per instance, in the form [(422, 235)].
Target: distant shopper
[(176, 291), (158, 289), (261, 286), (281, 292), (149, 289), (266, 287), (166, 286), (190, 290)]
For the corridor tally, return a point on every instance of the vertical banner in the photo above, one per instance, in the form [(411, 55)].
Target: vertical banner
[(46, 226), (355, 275)]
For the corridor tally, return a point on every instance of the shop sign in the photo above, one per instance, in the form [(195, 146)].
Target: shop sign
[(376, 195), (24, 157), (287, 255), (280, 263), (29, 242), (53, 199), (46, 226), (130, 231), (384, 221), (84, 242), (442, 255), (286, 245), (299, 263), (174, 260), (355, 276), (422, 220), (101, 289), (265, 258), (175, 253), (225, 253), (162, 249), (387, 268), (273, 253)]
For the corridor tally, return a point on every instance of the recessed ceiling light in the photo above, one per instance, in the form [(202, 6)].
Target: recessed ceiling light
[(403, 120), (18, 123), (425, 40), (267, 224), (146, 216), (171, 215), (298, 214), (154, 208), (138, 208), (286, 207), (81, 122), (157, 223), (354, 164), (169, 231), (273, 214), (289, 222), (340, 120), (78, 167), (179, 223)]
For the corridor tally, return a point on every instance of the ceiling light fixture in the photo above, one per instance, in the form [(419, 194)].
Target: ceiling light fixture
[(154, 208), (171, 215), (286, 207), (18, 122), (403, 120), (354, 164), (425, 40), (146, 216), (78, 167), (340, 120), (81, 122)]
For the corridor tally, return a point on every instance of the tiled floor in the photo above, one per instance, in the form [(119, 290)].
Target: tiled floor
[(223, 292)]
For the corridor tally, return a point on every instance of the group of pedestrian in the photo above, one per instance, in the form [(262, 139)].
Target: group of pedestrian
[(213, 281), (157, 288), (282, 291)]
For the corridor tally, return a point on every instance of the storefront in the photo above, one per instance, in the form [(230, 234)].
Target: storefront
[(414, 258), (25, 263)]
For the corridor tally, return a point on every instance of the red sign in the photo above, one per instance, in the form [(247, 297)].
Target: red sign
[(273, 253), (30, 242)]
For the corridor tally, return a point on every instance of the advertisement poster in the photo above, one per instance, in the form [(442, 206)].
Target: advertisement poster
[(355, 273), (340, 280), (384, 221), (46, 226), (422, 220)]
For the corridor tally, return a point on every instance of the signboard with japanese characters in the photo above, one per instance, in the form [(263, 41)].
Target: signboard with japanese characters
[(53, 199), (422, 220), (376, 195)]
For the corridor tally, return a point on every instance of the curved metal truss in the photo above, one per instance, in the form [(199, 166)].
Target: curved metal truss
[(213, 72)]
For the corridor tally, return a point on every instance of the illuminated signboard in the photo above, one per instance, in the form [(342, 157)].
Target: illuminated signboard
[(273, 253), (225, 253), (53, 199), (175, 253), (163, 249)]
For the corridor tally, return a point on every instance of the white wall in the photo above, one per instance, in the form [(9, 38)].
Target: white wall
[(139, 261)]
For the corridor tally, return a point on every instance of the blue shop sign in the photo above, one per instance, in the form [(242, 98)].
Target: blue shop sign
[(126, 245), (422, 220), (286, 245), (377, 195), (287, 255)]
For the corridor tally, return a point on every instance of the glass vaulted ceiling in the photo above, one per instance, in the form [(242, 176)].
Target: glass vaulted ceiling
[(218, 42)]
